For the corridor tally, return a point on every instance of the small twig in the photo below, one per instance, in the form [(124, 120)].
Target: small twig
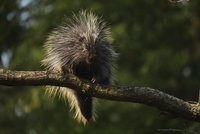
[(178, 1), (193, 102), (177, 130), (199, 97)]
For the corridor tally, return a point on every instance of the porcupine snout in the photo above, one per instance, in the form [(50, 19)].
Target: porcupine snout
[(91, 51)]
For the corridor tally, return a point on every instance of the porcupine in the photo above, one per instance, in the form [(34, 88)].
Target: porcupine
[(81, 46)]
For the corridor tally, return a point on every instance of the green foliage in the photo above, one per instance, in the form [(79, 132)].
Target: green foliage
[(159, 47)]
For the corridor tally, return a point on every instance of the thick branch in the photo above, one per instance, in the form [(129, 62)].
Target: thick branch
[(143, 95)]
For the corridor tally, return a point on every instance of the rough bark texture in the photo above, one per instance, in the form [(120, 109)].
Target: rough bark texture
[(143, 95)]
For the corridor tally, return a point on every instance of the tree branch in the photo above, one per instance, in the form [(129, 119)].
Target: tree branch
[(143, 95)]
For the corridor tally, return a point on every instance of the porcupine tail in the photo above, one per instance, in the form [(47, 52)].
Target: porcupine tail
[(79, 102)]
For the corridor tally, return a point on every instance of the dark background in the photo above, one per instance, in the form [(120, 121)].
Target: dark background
[(159, 47)]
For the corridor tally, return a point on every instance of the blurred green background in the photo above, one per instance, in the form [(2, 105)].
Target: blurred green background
[(159, 46)]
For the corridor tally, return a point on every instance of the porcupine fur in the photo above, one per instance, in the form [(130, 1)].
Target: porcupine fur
[(82, 46)]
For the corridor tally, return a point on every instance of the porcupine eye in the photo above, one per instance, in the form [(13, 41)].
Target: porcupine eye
[(81, 39), (82, 42)]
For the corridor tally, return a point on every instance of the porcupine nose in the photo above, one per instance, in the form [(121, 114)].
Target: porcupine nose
[(92, 53)]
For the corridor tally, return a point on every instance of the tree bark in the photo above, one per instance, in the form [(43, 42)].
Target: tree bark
[(144, 95)]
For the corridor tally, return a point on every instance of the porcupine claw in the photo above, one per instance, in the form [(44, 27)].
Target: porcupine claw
[(93, 80)]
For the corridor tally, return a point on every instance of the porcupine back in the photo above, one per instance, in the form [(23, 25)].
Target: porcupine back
[(82, 46)]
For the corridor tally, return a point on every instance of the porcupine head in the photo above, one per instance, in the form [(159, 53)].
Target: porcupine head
[(82, 46)]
